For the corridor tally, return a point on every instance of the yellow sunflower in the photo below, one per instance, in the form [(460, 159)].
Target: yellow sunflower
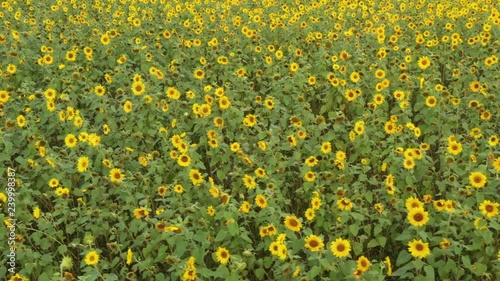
[(477, 179), (424, 62), (489, 209), (92, 258), (116, 175), (418, 217), (418, 249), (340, 247), (293, 223), (363, 264), (314, 243), (222, 255), (196, 177), (83, 164)]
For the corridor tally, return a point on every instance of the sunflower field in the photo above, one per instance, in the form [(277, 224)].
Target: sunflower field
[(250, 140)]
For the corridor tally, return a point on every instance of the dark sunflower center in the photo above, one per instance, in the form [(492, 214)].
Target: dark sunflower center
[(418, 217), (340, 247), (419, 247)]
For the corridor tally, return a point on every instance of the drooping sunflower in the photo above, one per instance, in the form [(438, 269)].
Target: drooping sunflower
[(340, 247), (92, 258), (418, 249), (314, 243), (477, 179), (293, 223), (418, 217), (222, 255), (489, 209)]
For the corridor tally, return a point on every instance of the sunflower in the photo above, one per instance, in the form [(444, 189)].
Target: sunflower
[(4, 96), (261, 201), (477, 179), (127, 106), (198, 74), (444, 244), (116, 175), (196, 177), (424, 62), (310, 214), (21, 121), (293, 223), (311, 161), (418, 249), (183, 160), (454, 148), (387, 262), (249, 182), (344, 204), (178, 189), (138, 88), (378, 99), (310, 176), (211, 211), (413, 203), (70, 140), (245, 207), (489, 209), (83, 164), (250, 120), (224, 102), (431, 101), (409, 163), (222, 255), (316, 203), (54, 183), (314, 243), (92, 258), (340, 247), (496, 164), (355, 77), (418, 217), (363, 264), (140, 213)]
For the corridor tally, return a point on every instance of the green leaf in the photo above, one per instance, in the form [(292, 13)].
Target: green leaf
[(233, 228), (403, 257), (315, 270), (466, 262), (259, 273), (479, 268), (382, 240), (353, 229), (372, 243), (429, 272), (221, 235)]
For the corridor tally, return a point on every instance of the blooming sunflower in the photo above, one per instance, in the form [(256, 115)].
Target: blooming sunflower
[(340, 247), (196, 177), (454, 148), (293, 223), (183, 160), (418, 249), (344, 204), (83, 164), (261, 201), (326, 147), (489, 209), (314, 243), (477, 179), (199, 74), (92, 258), (418, 217), (249, 182), (116, 175), (70, 140), (363, 264), (413, 203), (222, 255), (424, 62)]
